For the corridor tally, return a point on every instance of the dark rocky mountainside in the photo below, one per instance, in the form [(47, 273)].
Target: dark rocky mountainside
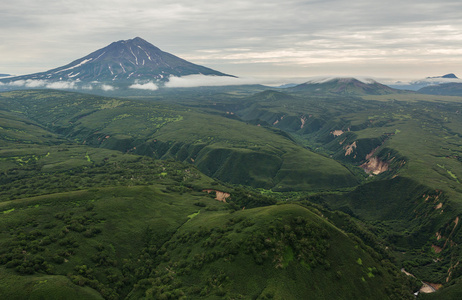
[(123, 61)]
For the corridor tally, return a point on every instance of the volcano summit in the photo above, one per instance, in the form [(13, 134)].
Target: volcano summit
[(123, 61)]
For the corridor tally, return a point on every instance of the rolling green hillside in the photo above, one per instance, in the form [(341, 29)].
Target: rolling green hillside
[(92, 223), (405, 149), (220, 147), (84, 196), (148, 241)]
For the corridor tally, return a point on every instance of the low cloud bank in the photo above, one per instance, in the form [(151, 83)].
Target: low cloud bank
[(31, 83), (437, 80), (150, 86), (203, 80), (107, 87), (58, 85)]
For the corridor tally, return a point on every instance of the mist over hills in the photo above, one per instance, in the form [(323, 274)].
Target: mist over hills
[(446, 89), (419, 84)]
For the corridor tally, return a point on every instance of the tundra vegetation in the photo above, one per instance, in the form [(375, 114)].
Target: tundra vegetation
[(329, 195)]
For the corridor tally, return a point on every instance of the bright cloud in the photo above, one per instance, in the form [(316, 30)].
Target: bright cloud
[(61, 85), (107, 87), (203, 80), (58, 85), (310, 37), (151, 86)]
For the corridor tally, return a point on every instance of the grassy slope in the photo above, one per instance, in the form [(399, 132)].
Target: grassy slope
[(13, 286), (118, 223), (284, 282), (417, 135), (120, 241), (217, 145), (423, 135), (263, 154)]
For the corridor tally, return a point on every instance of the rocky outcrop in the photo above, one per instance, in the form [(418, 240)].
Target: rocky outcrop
[(375, 166)]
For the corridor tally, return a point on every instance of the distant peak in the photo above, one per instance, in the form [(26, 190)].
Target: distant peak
[(450, 75), (136, 40), (346, 80), (129, 60)]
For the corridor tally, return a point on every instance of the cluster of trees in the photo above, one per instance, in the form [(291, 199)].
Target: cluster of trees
[(295, 238), (36, 246), (29, 180)]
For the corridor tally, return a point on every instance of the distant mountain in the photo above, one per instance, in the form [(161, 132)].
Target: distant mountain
[(450, 75), (428, 81), (345, 86), (446, 89), (5, 75), (123, 61)]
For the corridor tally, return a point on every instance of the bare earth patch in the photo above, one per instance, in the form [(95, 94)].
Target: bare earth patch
[(337, 132), (438, 236), (349, 148), (375, 166), (450, 271), (303, 120), (220, 196), (456, 221), (426, 288), (437, 249)]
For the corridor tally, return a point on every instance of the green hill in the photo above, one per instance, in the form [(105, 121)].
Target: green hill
[(78, 218), (84, 196), (345, 87), (220, 147), (405, 148), (145, 241)]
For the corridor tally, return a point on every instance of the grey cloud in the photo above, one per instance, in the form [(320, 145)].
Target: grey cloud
[(203, 80), (44, 34)]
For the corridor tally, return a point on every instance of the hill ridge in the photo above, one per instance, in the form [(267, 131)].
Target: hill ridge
[(345, 86)]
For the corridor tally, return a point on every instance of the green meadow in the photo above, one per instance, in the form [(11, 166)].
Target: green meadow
[(229, 194)]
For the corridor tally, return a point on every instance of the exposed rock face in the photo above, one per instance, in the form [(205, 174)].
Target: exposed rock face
[(375, 166), (337, 132), (349, 148), (437, 249), (220, 196)]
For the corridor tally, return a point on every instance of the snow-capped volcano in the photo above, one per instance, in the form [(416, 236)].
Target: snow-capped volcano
[(123, 61)]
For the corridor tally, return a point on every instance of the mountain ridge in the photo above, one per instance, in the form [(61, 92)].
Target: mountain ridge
[(449, 75), (417, 85), (345, 86)]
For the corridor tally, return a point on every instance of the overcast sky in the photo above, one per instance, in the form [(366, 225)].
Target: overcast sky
[(274, 38)]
